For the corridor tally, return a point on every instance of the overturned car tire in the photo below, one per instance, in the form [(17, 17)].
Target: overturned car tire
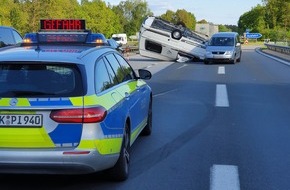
[(176, 34)]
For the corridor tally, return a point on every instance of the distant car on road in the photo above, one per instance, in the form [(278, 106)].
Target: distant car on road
[(224, 47), (120, 38), (9, 36)]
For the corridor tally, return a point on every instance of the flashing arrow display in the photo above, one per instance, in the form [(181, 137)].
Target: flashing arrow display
[(253, 35)]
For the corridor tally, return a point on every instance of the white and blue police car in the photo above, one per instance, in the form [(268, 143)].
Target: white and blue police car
[(70, 103)]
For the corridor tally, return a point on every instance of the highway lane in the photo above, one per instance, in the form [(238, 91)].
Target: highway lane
[(218, 126), (245, 140)]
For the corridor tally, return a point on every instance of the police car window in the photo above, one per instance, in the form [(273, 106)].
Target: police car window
[(112, 75), (102, 78), (129, 72), (116, 67), (18, 79)]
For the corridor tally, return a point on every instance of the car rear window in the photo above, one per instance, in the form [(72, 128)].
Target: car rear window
[(40, 80)]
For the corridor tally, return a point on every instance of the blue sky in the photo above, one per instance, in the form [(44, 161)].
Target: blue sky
[(215, 11)]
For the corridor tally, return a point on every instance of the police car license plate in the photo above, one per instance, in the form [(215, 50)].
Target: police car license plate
[(20, 120)]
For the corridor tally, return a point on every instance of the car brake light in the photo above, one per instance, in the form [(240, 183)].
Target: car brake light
[(86, 115)]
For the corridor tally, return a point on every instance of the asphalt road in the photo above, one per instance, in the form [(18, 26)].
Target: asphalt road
[(218, 126)]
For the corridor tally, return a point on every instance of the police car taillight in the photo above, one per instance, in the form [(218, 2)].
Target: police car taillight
[(86, 115)]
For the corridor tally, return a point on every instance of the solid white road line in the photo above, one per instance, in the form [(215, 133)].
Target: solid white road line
[(224, 177), (272, 57), (221, 70), (221, 99)]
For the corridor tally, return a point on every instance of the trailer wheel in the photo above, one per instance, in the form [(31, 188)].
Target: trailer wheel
[(176, 34)]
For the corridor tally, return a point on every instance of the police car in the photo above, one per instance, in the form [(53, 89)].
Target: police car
[(70, 103)]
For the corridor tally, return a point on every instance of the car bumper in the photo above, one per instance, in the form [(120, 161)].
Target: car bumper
[(54, 162), (219, 58)]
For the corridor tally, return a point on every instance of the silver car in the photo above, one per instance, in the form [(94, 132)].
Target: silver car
[(223, 47)]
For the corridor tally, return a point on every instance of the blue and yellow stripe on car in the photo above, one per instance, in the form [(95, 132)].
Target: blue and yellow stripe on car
[(108, 140)]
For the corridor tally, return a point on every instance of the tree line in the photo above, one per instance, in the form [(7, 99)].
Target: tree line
[(25, 15), (271, 18)]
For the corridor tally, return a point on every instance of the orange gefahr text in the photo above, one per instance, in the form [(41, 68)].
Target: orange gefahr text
[(62, 24)]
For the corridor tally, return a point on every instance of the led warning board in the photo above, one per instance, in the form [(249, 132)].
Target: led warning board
[(62, 24)]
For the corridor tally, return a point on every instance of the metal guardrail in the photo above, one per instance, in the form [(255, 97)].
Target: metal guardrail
[(278, 48)]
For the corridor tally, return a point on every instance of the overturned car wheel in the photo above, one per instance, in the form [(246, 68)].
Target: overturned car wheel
[(176, 34)]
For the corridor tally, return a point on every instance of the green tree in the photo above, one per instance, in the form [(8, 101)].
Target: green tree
[(187, 18), (170, 16), (34, 9), (133, 12), (5, 7), (233, 28), (203, 21), (42, 9), (253, 20), (182, 17), (98, 15), (277, 12), (122, 21), (270, 19), (223, 28)]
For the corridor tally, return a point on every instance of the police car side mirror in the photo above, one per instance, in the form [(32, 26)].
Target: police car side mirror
[(144, 74)]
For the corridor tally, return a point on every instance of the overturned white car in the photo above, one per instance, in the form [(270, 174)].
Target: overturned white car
[(166, 41)]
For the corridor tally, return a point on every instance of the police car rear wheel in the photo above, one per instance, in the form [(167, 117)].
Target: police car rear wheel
[(120, 171)]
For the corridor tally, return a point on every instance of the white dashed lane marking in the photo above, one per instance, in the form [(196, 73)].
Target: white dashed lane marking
[(221, 70), (221, 96), (224, 177)]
